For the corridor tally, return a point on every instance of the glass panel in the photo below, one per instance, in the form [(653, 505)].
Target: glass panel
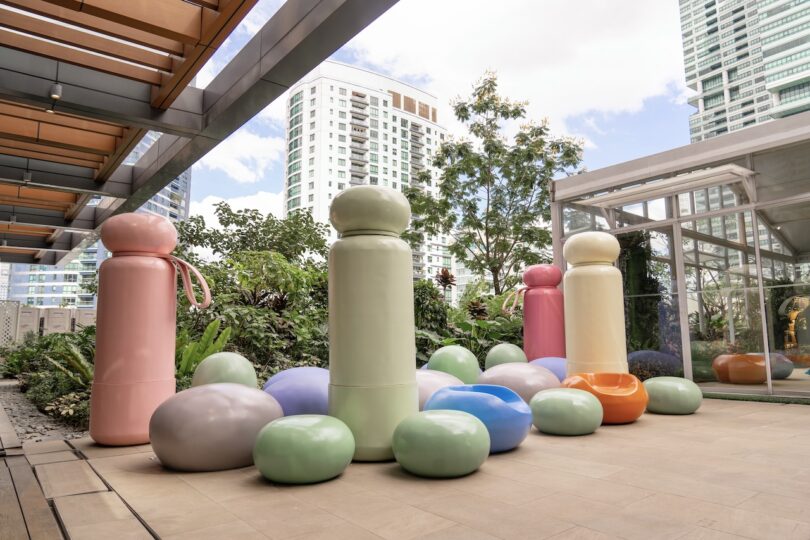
[(579, 219), (651, 303), (722, 300)]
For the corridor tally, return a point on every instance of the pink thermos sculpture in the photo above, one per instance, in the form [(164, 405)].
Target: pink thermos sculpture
[(543, 315), (136, 326)]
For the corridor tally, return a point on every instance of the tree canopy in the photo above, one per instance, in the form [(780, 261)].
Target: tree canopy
[(493, 191)]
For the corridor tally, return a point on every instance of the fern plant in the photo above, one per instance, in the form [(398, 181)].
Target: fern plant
[(73, 363), (190, 353)]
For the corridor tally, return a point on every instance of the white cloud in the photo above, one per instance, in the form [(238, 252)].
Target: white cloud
[(264, 201), (566, 58), (245, 156)]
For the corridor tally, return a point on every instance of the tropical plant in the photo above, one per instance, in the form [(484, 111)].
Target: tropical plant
[(445, 279), (189, 353), (477, 309), (71, 361), (429, 308), (493, 194)]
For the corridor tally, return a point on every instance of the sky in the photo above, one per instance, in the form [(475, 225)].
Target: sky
[(610, 73)]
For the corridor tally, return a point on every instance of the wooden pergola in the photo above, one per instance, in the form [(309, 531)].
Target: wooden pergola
[(82, 81)]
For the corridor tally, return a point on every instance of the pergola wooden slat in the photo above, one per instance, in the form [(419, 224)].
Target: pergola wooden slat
[(84, 40), (101, 26), (56, 135)]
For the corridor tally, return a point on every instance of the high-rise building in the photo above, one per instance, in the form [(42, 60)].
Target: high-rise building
[(65, 285), (348, 126), (748, 60)]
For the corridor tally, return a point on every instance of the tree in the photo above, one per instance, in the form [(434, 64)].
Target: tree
[(445, 279), (296, 237), (493, 194)]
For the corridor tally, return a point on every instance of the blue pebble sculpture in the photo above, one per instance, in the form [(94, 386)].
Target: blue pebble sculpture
[(300, 390), (507, 417)]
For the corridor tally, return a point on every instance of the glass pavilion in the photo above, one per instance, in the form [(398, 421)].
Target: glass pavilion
[(714, 235)]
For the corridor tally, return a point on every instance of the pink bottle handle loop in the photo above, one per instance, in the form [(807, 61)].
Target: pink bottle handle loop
[(185, 269), (515, 297)]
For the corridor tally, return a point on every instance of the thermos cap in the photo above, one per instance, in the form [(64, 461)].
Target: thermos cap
[(591, 248), (139, 232), (370, 208), (542, 275)]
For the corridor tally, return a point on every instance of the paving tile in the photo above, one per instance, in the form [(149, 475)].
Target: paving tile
[(778, 505), (39, 518), (51, 457), (42, 447), (98, 515), (68, 478), (581, 533), (237, 530), (90, 449), (756, 525)]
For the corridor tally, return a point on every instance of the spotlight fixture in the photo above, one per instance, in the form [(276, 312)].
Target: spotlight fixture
[(56, 91)]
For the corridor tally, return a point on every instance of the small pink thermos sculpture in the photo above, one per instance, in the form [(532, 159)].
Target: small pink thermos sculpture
[(543, 315), (136, 326)]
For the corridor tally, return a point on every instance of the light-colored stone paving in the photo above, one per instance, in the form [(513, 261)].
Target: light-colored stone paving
[(733, 470)]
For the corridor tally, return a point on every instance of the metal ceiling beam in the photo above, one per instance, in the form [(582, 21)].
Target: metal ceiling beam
[(27, 78), (65, 243), (48, 219), (118, 186)]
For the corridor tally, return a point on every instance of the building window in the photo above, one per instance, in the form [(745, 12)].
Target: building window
[(312, 90), (342, 91)]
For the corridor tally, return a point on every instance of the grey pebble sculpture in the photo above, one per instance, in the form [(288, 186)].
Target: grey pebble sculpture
[(212, 427)]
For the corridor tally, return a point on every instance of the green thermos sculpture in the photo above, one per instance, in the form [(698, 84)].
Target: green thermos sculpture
[(372, 380)]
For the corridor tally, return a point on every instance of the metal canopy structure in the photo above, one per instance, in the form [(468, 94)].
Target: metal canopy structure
[(735, 208), (82, 81)]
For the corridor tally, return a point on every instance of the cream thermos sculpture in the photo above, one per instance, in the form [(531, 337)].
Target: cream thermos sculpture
[(371, 323), (594, 305), (136, 326)]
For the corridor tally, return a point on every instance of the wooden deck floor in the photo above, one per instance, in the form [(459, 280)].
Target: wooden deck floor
[(733, 470)]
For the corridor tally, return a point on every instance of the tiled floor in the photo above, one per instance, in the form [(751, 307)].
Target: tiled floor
[(733, 470)]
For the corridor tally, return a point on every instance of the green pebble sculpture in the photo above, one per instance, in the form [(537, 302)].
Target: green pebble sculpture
[(457, 361), (566, 411), (673, 395), (303, 449), (441, 444), (504, 353), (225, 367)]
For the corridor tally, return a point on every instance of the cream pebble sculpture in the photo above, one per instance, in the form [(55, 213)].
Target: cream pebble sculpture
[(594, 305), (372, 384)]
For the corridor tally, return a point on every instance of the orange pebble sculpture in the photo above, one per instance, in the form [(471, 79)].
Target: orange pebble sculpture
[(622, 395), (740, 368)]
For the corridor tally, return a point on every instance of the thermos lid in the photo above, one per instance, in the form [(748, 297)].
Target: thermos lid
[(370, 208), (139, 232), (542, 275), (591, 248)]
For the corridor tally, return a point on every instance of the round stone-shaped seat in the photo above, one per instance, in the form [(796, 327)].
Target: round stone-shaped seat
[(211, 427), (457, 361), (300, 390), (781, 366), (303, 449), (672, 395), (557, 365), (441, 443), (740, 368), (525, 379), (566, 411), (622, 395), (225, 367), (504, 413), (430, 380), (504, 353)]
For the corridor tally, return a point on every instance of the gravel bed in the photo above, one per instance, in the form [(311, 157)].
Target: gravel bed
[(32, 425)]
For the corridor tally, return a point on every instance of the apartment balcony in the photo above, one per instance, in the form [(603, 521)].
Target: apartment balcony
[(416, 128), (358, 147), (357, 181), (359, 122), (359, 113), (416, 140), (357, 170), (359, 133), (359, 100), (418, 152), (358, 158)]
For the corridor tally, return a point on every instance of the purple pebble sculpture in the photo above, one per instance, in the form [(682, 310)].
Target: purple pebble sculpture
[(300, 390), (431, 380), (557, 365), (522, 378)]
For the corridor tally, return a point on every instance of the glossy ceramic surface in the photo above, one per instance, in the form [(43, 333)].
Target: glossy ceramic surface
[(622, 395), (566, 411), (303, 449), (225, 367), (300, 390), (457, 361), (525, 379), (504, 413)]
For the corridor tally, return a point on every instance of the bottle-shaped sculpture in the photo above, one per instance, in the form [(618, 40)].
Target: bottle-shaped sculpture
[(372, 380), (594, 305), (135, 329), (543, 317)]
